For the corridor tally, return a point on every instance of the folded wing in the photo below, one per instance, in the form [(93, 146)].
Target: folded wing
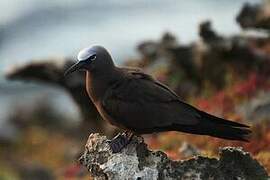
[(143, 105)]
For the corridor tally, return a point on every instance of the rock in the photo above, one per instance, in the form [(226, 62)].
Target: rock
[(207, 33), (238, 54), (175, 63), (188, 150), (154, 49), (136, 161), (257, 108), (255, 16), (51, 72), (188, 68)]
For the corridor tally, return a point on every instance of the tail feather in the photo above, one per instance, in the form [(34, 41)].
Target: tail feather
[(214, 126), (225, 129), (222, 121)]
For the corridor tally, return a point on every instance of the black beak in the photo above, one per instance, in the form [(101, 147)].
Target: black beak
[(74, 68)]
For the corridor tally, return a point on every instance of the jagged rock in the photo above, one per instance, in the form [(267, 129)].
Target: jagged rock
[(187, 68), (152, 50), (207, 33), (188, 150), (255, 16), (136, 161), (51, 71), (237, 52), (174, 60)]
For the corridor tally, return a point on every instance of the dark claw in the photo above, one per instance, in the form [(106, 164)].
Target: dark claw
[(119, 142)]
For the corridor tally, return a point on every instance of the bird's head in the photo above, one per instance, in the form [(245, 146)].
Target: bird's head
[(92, 59)]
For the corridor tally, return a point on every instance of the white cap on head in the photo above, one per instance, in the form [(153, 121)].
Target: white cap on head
[(85, 54)]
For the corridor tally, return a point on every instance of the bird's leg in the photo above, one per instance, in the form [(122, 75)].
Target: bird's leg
[(120, 141)]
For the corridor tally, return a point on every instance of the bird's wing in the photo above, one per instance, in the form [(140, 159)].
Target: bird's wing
[(140, 103)]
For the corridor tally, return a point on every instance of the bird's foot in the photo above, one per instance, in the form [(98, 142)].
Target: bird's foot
[(120, 141)]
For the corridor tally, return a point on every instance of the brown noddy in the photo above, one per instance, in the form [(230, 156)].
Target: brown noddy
[(137, 103)]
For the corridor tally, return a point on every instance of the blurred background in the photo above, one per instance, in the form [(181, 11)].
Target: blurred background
[(215, 55)]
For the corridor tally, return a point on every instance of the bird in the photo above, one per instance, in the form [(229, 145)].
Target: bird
[(138, 104)]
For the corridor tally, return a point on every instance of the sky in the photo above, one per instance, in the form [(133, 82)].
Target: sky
[(34, 29)]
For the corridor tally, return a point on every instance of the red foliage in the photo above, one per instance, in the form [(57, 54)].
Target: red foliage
[(251, 85), (221, 103), (73, 171), (224, 101)]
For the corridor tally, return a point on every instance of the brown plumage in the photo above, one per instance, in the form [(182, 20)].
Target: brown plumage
[(134, 101)]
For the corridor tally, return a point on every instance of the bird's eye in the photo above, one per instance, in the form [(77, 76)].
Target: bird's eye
[(93, 57)]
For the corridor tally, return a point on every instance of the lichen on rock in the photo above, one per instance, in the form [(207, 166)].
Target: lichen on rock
[(136, 162)]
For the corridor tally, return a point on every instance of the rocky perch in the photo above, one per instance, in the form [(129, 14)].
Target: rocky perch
[(137, 162)]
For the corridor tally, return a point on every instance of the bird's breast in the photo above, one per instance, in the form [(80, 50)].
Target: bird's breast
[(96, 91), (89, 88), (103, 113)]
